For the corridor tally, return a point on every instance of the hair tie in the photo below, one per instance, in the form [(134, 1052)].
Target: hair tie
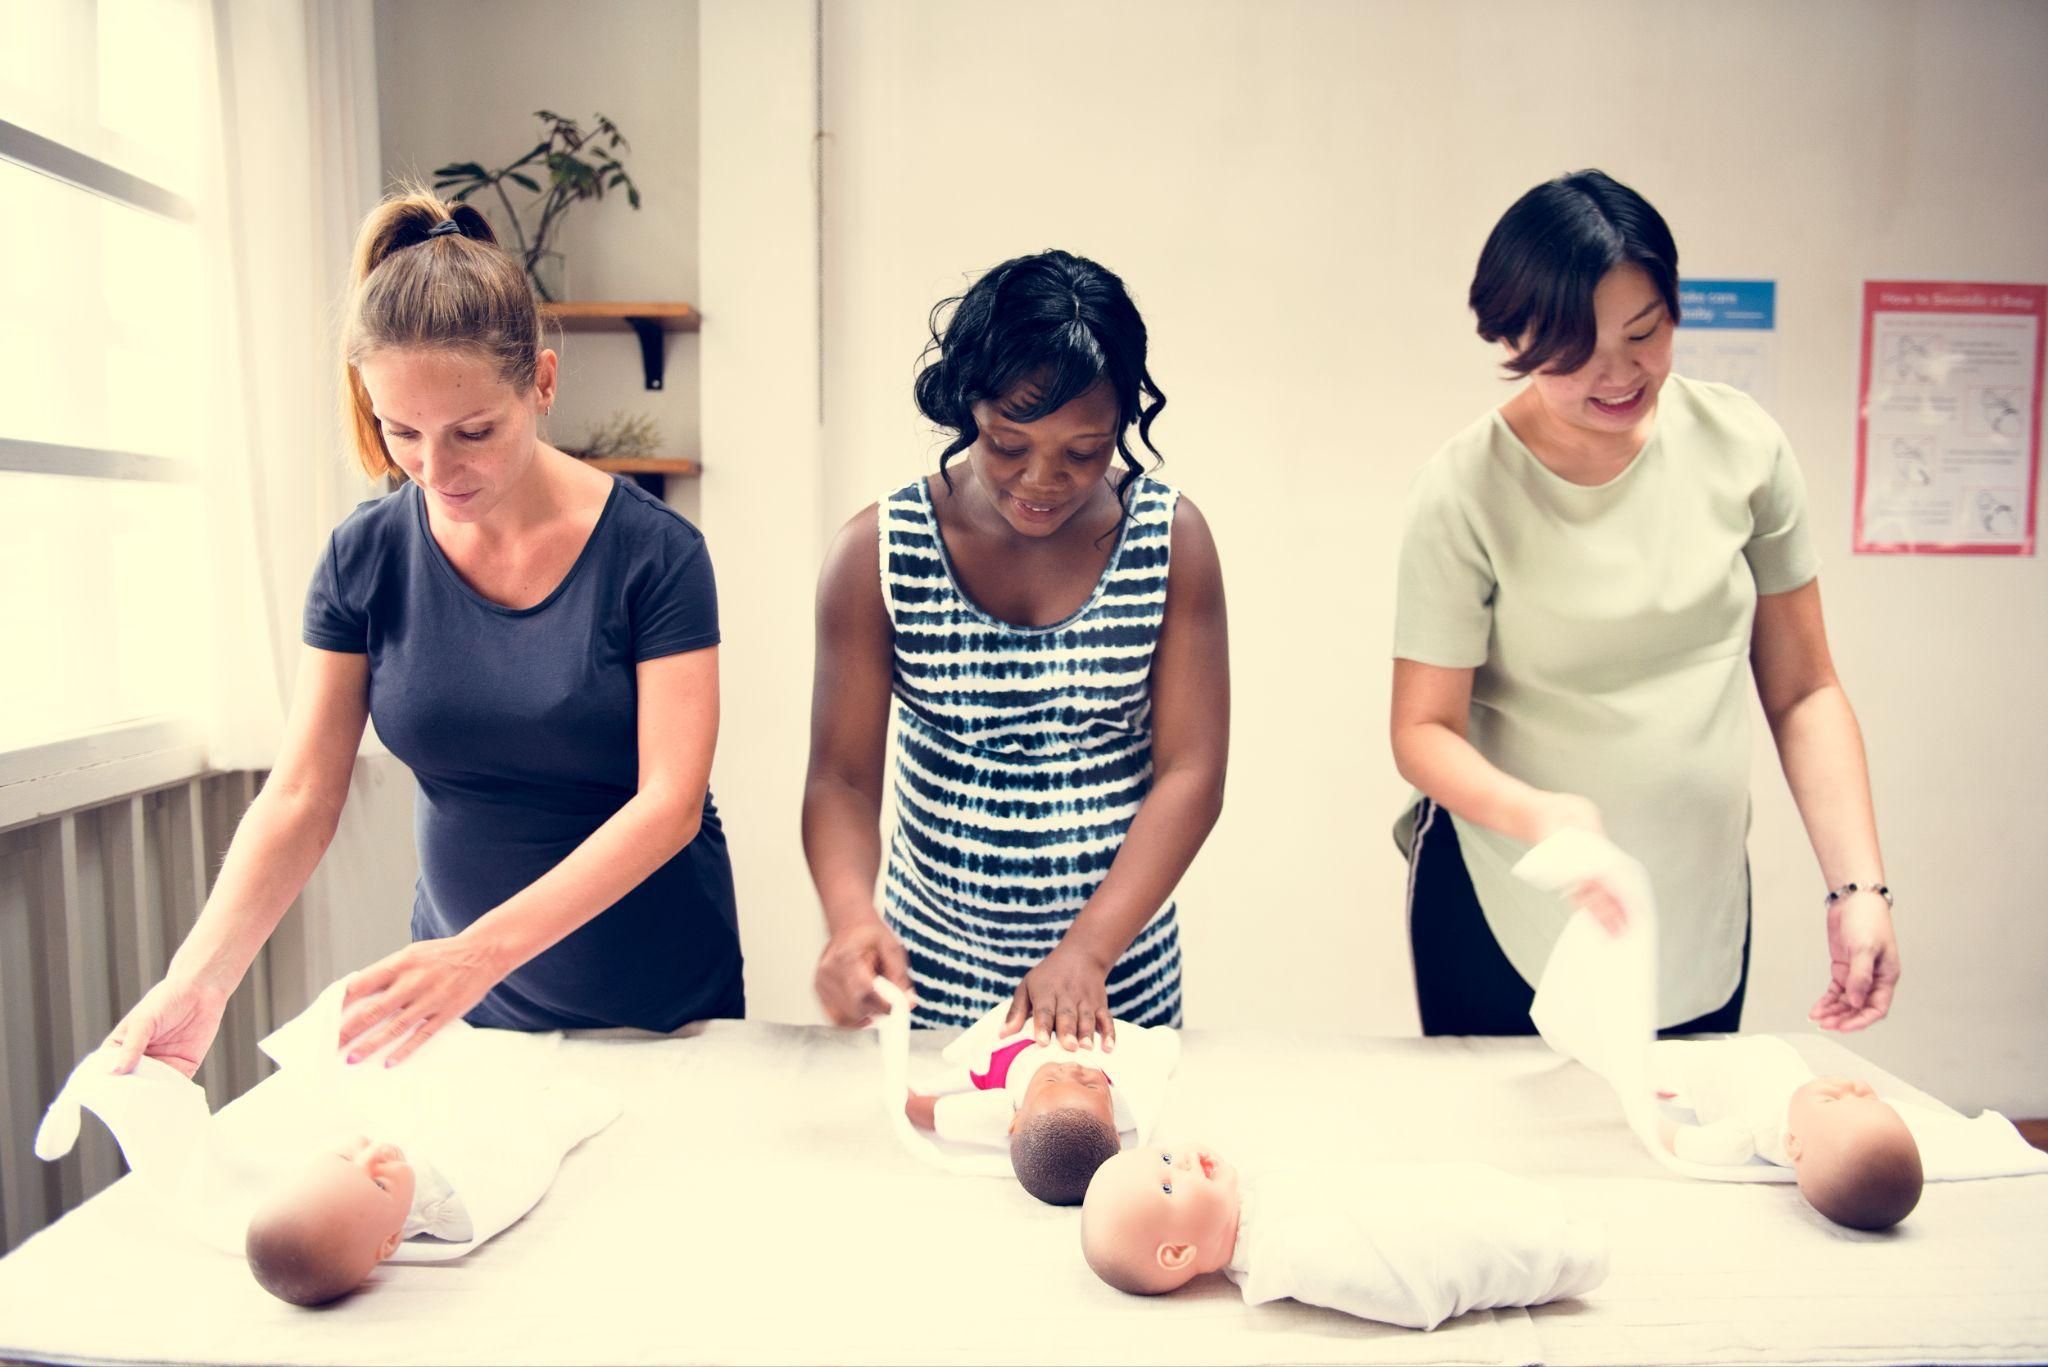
[(444, 228)]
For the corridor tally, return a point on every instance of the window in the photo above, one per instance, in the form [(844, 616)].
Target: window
[(103, 394)]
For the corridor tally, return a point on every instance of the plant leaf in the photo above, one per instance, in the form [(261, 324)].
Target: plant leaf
[(632, 196), (461, 168), (527, 181)]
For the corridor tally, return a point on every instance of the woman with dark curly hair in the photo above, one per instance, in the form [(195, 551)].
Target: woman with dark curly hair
[(1050, 622)]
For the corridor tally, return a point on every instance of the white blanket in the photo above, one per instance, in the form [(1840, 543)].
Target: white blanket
[(1410, 1244), (493, 1111), (1597, 1004)]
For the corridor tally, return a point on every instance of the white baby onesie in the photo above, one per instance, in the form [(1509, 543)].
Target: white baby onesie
[(437, 1209), (1412, 1245), (1740, 1090), (1138, 1069)]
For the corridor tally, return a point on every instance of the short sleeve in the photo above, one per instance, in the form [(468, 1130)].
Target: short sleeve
[(1780, 550), (676, 610), (1443, 612), (332, 620)]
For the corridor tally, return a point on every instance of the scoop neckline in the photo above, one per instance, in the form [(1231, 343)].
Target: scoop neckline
[(1123, 537), (419, 508), (1655, 439)]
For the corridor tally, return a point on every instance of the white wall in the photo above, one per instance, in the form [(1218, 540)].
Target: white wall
[(1295, 194)]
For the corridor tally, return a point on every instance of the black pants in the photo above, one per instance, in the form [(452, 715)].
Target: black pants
[(1463, 981)]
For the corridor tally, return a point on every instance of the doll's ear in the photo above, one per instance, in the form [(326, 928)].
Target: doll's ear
[(1174, 1257), (1792, 1146), (390, 1245)]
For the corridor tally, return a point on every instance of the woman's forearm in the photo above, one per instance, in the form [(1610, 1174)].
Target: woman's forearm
[(1446, 767), (274, 851), (1164, 837), (843, 845), (617, 857), (1821, 748)]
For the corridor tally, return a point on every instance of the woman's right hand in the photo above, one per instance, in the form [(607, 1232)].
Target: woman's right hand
[(852, 959), (1550, 813), (175, 1021)]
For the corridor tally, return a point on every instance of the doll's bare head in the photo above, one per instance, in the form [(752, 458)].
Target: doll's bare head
[(1157, 1217), (1064, 1128), (321, 1230), (1856, 1160)]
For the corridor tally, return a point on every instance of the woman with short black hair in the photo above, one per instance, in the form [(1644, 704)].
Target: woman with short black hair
[(1050, 622), (1583, 574)]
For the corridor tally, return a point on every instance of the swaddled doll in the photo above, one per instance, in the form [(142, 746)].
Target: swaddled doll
[(1754, 1097), (1059, 1112), (417, 1163), (1412, 1245)]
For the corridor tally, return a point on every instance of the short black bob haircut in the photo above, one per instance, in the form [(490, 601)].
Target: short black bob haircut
[(1038, 332), (1545, 257)]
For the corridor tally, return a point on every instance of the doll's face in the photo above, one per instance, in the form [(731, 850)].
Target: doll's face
[(1828, 1106), (1066, 1086), (335, 1218), (1158, 1216)]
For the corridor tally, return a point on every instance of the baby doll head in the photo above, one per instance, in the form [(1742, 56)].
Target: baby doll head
[(321, 1230), (1064, 1128), (1856, 1160), (1156, 1218)]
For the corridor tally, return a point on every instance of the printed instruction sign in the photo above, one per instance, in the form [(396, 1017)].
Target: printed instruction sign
[(1948, 433), (1728, 332)]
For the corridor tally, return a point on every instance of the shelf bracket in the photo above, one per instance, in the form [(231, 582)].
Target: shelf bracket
[(653, 348)]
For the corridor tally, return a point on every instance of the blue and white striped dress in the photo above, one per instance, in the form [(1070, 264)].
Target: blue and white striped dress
[(1022, 755)]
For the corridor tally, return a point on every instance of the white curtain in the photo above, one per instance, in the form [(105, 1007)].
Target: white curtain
[(297, 169)]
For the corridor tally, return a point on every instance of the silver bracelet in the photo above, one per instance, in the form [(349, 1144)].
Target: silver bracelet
[(1837, 894)]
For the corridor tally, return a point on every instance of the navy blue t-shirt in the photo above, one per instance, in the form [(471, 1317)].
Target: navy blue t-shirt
[(520, 726)]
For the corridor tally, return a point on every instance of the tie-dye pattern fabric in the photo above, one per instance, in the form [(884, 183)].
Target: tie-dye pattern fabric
[(1022, 755)]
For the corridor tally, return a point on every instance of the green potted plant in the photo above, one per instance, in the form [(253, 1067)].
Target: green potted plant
[(577, 166)]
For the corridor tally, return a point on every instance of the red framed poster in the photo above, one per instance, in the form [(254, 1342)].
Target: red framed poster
[(1948, 427)]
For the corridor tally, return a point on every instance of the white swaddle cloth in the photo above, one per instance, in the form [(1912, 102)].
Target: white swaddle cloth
[(1412, 1245), (1139, 1070), (489, 1111), (894, 1032), (1597, 1004)]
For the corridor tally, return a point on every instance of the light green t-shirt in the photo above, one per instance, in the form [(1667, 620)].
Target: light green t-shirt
[(1608, 632)]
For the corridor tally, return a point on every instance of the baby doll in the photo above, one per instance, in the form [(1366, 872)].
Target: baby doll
[(1857, 1163), (492, 1108), (1412, 1245), (1059, 1112)]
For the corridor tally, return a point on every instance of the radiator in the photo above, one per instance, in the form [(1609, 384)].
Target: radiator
[(92, 903)]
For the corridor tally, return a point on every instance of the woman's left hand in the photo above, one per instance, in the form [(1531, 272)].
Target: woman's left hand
[(1863, 964), (405, 998), (1066, 995)]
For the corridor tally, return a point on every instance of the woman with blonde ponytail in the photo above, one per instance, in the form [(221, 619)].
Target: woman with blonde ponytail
[(538, 641)]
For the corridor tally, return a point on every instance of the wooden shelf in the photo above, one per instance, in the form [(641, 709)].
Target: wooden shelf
[(619, 317), (651, 323), (647, 465)]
